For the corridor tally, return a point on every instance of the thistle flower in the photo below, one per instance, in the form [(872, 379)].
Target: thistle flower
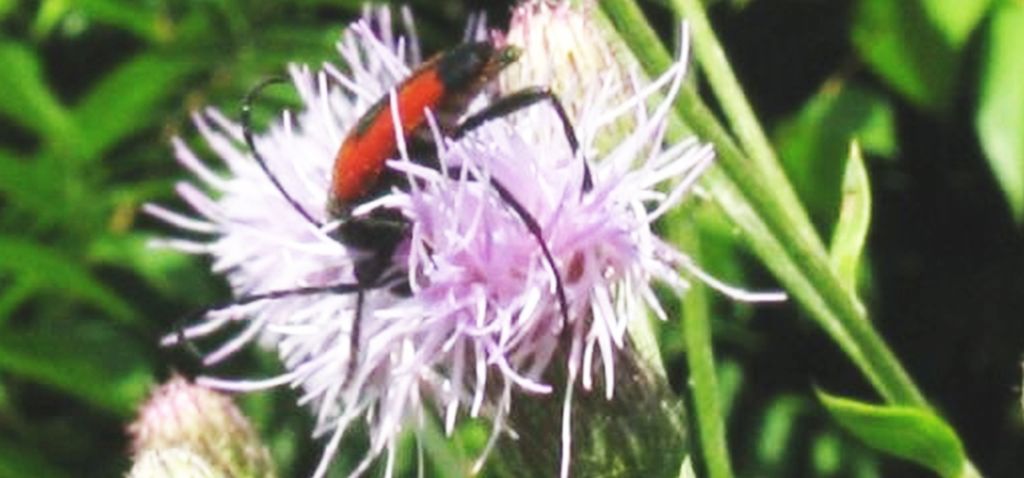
[(483, 322)]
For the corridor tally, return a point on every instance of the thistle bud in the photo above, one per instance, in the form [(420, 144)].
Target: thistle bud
[(170, 463), (185, 425), (564, 50)]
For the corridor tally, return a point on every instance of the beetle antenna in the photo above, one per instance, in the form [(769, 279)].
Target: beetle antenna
[(251, 97), (180, 334), (535, 230)]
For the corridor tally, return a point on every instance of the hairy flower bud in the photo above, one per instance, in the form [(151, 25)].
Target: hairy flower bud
[(564, 50), (172, 463), (191, 426)]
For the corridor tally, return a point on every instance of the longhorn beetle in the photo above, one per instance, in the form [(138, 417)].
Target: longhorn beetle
[(444, 84)]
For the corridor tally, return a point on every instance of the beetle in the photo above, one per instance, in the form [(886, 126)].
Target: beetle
[(444, 85)]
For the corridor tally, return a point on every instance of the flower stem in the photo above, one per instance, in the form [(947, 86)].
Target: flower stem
[(700, 359), (774, 225), (754, 192), (728, 92)]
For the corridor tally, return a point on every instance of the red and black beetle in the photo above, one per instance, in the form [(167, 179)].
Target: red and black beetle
[(444, 85)]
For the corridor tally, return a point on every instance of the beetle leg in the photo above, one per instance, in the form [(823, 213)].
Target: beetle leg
[(519, 100)]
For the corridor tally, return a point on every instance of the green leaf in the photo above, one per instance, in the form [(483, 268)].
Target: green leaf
[(900, 43), (730, 380), (837, 113), (49, 14), (956, 19), (47, 191), (52, 270), (297, 44), (162, 268), (30, 185), (777, 429), (25, 97), (20, 460), (441, 451), (124, 100), (1000, 117), (722, 252), (814, 142), (146, 19), (851, 232), (6, 7), (12, 296), (826, 454), (87, 359), (915, 434)]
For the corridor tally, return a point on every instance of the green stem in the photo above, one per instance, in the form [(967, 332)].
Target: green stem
[(786, 225), (701, 361), (756, 195), (728, 91)]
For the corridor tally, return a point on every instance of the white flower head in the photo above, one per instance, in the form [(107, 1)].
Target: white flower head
[(472, 313)]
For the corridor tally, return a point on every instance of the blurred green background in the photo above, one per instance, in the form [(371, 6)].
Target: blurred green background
[(92, 91)]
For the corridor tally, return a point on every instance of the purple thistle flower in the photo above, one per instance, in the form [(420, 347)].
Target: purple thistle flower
[(483, 321)]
